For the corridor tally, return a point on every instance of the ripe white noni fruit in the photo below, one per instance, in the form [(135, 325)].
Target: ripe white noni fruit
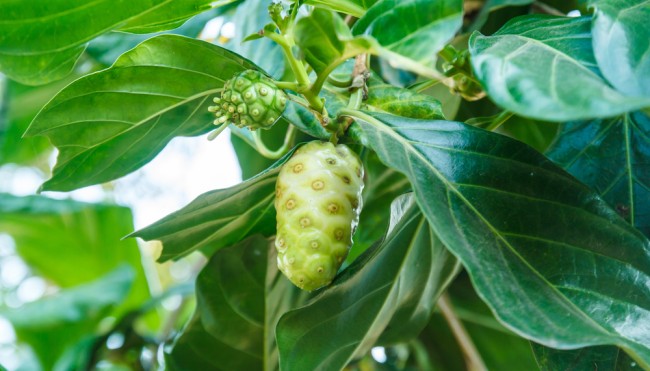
[(318, 201)]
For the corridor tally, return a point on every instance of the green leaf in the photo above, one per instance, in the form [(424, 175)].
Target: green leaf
[(621, 39), (393, 285), (526, 231), (71, 243), (543, 67), (411, 32), (51, 324), (327, 42), (593, 358), (239, 296), (229, 318), (42, 41), (612, 157), (403, 102), (112, 122), (353, 7), (220, 218)]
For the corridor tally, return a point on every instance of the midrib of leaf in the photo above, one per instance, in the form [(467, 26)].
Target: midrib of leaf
[(628, 159), (52, 15), (145, 120), (527, 41), (564, 244), (450, 186), (247, 228)]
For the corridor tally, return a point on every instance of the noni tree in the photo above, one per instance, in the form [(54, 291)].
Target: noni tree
[(429, 184)]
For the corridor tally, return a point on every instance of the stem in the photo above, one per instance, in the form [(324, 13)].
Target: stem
[(299, 70), (355, 99), (546, 9), (218, 131), (296, 66), (287, 85), (472, 356), (419, 88), (274, 155), (339, 83), (500, 120)]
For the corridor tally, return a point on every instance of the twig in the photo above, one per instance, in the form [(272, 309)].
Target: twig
[(546, 9), (472, 356)]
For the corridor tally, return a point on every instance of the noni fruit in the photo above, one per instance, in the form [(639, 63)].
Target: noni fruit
[(251, 100), (318, 201)]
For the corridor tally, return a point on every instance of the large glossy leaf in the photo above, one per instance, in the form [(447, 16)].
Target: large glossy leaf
[(51, 324), (543, 67), (220, 218), (391, 289), (326, 40), (549, 257), (613, 157), (42, 40), (239, 295), (71, 243), (411, 32), (112, 122), (593, 358), (621, 39)]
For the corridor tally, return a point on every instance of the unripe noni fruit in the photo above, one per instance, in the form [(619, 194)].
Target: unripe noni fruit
[(318, 201), (251, 100)]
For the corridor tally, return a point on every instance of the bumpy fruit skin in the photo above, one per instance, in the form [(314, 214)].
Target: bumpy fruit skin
[(318, 201), (251, 100)]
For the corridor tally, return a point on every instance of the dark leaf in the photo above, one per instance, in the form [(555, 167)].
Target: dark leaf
[(550, 258), (613, 157), (239, 296)]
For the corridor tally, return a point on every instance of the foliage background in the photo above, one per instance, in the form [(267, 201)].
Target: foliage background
[(563, 85)]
